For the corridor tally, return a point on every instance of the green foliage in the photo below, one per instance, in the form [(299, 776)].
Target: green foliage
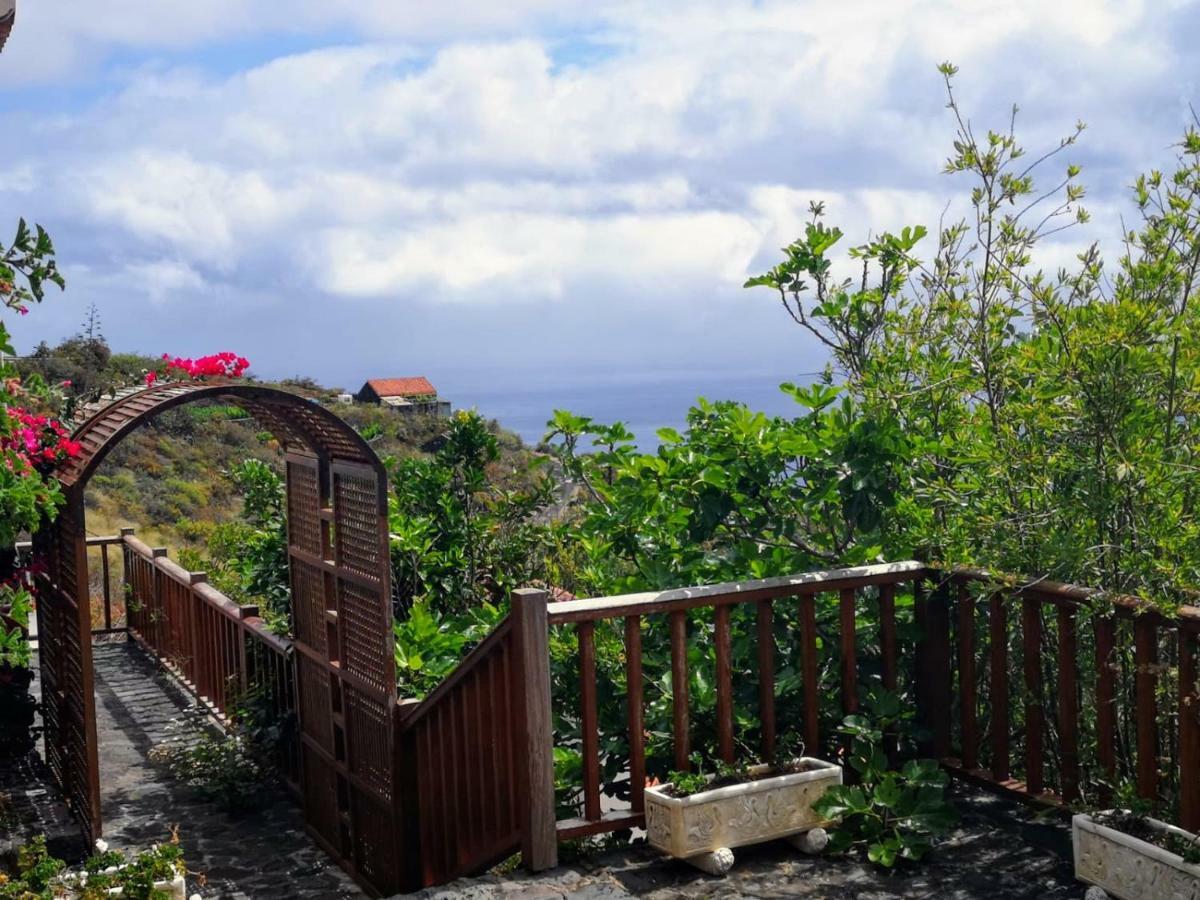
[(740, 495), (429, 644), (40, 875), (233, 769), (895, 815), (1050, 419), (464, 531), (15, 605)]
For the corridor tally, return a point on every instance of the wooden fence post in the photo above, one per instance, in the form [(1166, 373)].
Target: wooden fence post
[(933, 663), (1189, 730), (126, 579), (535, 730)]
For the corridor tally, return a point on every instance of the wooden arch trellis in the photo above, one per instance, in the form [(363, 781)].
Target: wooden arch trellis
[(341, 601)]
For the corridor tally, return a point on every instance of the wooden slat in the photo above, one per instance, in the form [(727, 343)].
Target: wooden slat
[(765, 634), (637, 727), (1189, 732), (846, 626), (941, 684), (998, 650), (1145, 654), (573, 829), (724, 684), (1068, 704), (1106, 711), (808, 662), (967, 699), (1035, 715), (679, 690), (589, 724), (887, 633)]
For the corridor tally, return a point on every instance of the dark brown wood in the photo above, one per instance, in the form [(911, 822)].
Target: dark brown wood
[(1189, 731), (887, 634), (967, 693), (539, 841), (998, 651), (847, 622), (634, 699), (106, 591), (573, 829), (1068, 704), (1035, 715), (679, 691), (765, 635), (934, 685), (724, 684), (588, 720), (1106, 712), (1145, 655), (808, 662), (705, 596)]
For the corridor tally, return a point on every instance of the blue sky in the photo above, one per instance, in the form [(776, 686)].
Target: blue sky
[(505, 194)]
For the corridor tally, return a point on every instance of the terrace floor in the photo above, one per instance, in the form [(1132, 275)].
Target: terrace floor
[(1001, 851), (264, 853)]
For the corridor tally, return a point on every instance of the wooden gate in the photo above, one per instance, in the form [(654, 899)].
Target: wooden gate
[(340, 576), (64, 618), (338, 549)]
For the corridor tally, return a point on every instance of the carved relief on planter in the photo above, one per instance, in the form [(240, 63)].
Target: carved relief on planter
[(1129, 868), (740, 814)]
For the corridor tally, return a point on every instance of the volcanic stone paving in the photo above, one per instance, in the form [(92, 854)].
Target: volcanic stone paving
[(261, 854), (1000, 852)]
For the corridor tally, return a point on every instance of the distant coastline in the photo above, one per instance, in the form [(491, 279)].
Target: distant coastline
[(645, 403)]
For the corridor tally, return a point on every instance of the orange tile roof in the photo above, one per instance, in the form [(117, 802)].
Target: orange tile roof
[(417, 386)]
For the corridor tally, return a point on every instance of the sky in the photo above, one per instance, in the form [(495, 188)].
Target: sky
[(509, 196)]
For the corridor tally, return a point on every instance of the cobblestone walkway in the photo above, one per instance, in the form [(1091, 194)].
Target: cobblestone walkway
[(261, 854), (999, 852)]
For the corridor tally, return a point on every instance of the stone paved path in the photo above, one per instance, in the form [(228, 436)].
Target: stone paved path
[(261, 854), (1000, 852)]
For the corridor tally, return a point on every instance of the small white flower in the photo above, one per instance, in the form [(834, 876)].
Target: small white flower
[(101, 845)]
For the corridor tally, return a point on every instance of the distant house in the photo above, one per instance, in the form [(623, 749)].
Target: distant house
[(8, 14), (407, 395)]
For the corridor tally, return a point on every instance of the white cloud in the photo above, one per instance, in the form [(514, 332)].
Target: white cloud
[(642, 156)]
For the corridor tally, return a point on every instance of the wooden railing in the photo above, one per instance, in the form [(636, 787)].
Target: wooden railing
[(674, 606), (1003, 675), (224, 653), (471, 753), (108, 611), (1056, 693)]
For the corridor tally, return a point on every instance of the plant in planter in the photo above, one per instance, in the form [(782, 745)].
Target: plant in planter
[(154, 874), (17, 705), (701, 818), (895, 815), (1129, 855)]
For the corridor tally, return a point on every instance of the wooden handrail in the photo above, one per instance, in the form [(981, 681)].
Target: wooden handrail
[(678, 599)]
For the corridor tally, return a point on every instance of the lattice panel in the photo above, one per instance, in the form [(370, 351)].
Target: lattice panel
[(356, 506), (374, 837), (304, 506), (320, 796), (366, 636), (313, 682), (369, 735), (308, 605)]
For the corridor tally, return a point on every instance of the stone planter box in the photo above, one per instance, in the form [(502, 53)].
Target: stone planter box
[(704, 828), (1131, 869)]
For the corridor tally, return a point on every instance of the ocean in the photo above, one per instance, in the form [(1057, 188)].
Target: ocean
[(645, 403)]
